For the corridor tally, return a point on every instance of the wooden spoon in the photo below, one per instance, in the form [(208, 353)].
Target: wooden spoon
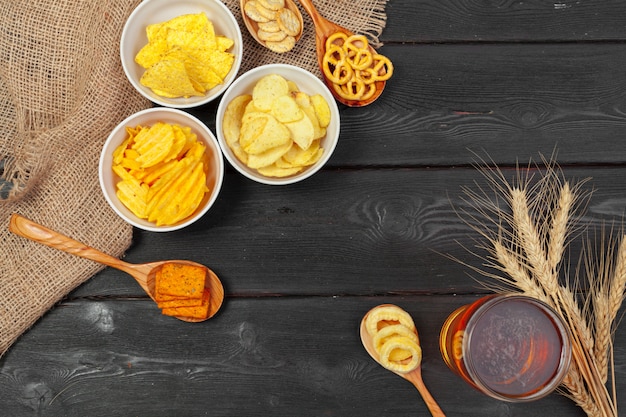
[(414, 376), (143, 273), (323, 29), (253, 26)]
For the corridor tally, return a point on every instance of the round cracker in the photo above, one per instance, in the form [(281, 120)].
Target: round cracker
[(251, 9), (271, 36), (272, 4), (271, 26), (280, 47), (288, 22)]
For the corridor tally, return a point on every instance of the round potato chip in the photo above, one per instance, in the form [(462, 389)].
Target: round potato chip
[(286, 110), (267, 89)]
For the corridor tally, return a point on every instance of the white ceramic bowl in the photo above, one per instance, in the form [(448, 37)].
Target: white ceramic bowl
[(156, 11), (308, 83), (108, 178)]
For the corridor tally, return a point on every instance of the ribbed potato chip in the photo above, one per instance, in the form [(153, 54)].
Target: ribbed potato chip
[(162, 170)]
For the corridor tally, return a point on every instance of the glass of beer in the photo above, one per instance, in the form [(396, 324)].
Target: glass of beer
[(510, 347)]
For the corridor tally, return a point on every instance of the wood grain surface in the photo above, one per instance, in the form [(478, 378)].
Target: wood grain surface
[(501, 80)]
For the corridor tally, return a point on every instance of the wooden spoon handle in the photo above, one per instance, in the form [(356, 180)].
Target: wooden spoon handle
[(24, 227), (432, 405)]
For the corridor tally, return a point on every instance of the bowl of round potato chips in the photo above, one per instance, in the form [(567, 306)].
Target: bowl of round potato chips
[(161, 169), (181, 53), (277, 124)]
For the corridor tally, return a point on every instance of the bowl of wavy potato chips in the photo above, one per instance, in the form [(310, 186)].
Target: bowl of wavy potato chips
[(277, 124), (161, 169), (181, 53)]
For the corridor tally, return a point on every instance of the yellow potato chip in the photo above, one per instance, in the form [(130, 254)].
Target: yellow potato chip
[(298, 156), (184, 57), (169, 77), (275, 130), (231, 124), (322, 110), (272, 134), (302, 132), (173, 183), (286, 110), (267, 89), (274, 171), (160, 138), (268, 157)]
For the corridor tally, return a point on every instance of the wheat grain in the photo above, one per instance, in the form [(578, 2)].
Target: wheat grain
[(530, 241), (618, 281), (558, 230), (577, 391)]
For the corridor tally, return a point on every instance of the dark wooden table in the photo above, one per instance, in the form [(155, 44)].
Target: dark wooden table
[(301, 264)]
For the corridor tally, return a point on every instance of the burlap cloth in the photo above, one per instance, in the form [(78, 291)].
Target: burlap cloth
[(62, 90)]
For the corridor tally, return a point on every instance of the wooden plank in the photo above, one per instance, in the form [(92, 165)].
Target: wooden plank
[(512, 101), (342, 232), (258, 357), (531, 21)]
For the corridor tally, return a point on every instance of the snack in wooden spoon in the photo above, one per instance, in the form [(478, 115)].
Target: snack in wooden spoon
[(275, 25), (394, 338), (352, 68), (180, 291)]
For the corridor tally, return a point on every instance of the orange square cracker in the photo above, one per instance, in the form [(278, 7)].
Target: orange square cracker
[(198, 312), (182, 281)]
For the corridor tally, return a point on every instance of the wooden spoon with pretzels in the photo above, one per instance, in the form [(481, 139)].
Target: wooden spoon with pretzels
[(325, 29)]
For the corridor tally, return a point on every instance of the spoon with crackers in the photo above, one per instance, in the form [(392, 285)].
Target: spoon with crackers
[(275, 24)]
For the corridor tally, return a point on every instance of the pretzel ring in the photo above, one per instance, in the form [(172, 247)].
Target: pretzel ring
[(384, 65), (351, 42), (371, 89), (352, 90), (387, 333), (360, 59), (340, 73), (352, 68), (332, 38), (334, 53)]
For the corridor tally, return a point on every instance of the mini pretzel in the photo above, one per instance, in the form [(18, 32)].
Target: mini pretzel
[(354, 89), (352, 68), (335, 36), (340, 73), (334, 53), (382, 62)]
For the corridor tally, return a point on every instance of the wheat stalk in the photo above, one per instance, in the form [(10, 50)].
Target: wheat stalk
[(526, 246)]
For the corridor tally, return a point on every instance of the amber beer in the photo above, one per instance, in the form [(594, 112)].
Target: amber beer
[(510, 347)]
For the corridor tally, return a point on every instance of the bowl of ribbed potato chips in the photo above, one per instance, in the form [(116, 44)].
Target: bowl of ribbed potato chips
[(161, 169)]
